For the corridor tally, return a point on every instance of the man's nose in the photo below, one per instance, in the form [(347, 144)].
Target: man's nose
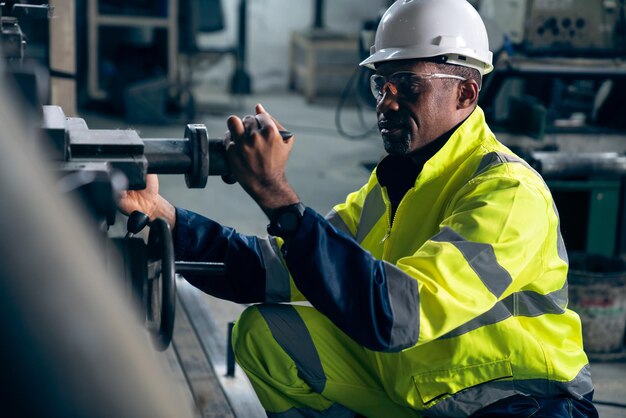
[(388, 101)]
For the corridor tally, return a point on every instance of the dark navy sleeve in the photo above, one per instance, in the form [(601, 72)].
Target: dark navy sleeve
[(197, 238), (341, 280)]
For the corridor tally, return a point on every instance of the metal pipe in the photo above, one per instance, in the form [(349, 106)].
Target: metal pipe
[(167, 155), (218, 163), (175, 156), (204, 268)]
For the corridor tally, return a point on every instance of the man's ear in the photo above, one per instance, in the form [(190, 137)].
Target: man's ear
[(468, 94)]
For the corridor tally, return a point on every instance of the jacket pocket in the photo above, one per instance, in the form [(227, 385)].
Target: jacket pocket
[(432, 385)]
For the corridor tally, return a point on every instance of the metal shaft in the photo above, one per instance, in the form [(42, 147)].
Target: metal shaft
[(167, 155), (196, 156), (204, 268)]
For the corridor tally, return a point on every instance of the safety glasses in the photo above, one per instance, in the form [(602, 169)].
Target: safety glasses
[(404, 84)]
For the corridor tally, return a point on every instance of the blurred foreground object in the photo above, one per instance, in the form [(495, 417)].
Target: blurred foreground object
[(72, 346)]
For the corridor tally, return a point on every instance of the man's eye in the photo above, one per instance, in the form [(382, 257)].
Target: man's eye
[(413, 88)]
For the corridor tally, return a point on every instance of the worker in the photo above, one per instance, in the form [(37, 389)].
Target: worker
[(437, 289)]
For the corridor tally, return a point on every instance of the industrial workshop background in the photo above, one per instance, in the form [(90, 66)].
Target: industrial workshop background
[(96, 94)]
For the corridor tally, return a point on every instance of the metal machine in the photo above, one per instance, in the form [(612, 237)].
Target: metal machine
[(575, 27), (554, 98), (13, 39), (97, 165), (561, 27), (73, 347)]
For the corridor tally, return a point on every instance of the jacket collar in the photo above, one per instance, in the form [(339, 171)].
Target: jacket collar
[(448, 151), (463, 141)]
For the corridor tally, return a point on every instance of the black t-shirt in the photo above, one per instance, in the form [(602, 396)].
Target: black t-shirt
[(398, 173)]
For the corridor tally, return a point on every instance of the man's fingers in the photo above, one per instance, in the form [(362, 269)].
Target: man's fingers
[(246, 127), (152, 180), (261, 110), (266, 123), (228, 141), (235, 126), (251, 125)]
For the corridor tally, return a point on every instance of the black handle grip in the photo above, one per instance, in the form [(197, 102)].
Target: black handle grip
[(204, 268)]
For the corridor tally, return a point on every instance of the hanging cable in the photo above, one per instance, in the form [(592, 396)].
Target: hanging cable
[(353, 84)]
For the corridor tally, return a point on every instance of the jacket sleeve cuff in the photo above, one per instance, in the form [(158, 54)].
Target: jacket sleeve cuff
[(182, 233)]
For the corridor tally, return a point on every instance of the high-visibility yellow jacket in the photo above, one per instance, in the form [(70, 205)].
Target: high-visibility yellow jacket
[(461, 298), (479, 234)]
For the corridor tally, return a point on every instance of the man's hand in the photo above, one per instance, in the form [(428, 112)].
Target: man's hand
[(148, 201), (258, 155)]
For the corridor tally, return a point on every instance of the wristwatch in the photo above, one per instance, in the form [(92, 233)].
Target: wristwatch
[(284, 221)]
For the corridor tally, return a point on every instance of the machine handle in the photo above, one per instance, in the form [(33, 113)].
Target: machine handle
[(203, 268)]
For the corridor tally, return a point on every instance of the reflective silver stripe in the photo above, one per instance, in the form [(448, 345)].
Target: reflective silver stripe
[(525, 303), (473, 399), (373, 208), (494, 315), (578, 386), (470, 400), (405, 301), (335, 411), (290, 332), (489, 160), (495, 158), (277, 286), (560, 244), (481, 258), (335, 220)]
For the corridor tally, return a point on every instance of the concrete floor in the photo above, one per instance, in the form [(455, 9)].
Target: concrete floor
[(324, 167)]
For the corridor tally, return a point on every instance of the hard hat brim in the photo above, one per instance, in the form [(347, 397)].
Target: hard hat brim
[(482, 64)]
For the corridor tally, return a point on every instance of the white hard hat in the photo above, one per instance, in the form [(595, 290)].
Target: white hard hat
[(413, 29)]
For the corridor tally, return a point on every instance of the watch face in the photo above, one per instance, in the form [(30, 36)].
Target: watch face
[(286, 220), (289, 221)]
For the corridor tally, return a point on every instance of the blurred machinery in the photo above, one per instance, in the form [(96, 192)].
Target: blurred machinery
[(72, 345), (575, 27), (141, 55), (97, 165), (561, 27), (25, 63), (554, 98), (68, 330)]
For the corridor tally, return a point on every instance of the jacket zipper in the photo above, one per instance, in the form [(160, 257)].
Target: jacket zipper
[(382, 241), (391, 222)]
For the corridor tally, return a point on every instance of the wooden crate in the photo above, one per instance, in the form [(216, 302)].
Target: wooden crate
[(321, 63)]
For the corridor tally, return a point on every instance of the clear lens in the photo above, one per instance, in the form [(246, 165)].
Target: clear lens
[(405, 83), (377, 83), (398, 83)]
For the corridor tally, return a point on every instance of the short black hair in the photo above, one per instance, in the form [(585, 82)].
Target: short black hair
[(465, 72), (460, 70)]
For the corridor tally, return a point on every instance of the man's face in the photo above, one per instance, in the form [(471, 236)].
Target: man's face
[(408, 122)]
